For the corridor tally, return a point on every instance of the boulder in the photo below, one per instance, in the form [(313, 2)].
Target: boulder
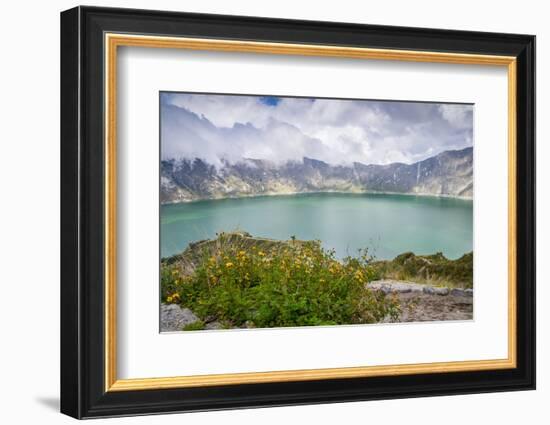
[(173, 318), (434, 290)]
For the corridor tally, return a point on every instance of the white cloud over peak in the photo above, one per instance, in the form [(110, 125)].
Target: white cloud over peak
[(456, 115), (231, 127)]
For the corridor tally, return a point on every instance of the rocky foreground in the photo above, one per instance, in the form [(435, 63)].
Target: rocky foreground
[(418, 302)]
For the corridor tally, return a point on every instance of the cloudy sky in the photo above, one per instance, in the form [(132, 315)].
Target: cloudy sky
[(225, 127)]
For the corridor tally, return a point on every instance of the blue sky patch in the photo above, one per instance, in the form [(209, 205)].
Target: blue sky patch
[(270, 100)]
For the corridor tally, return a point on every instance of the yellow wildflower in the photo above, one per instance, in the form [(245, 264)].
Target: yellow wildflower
[(229, 265), (173, 298)]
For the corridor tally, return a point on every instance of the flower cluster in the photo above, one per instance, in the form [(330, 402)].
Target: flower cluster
[(278, 284)]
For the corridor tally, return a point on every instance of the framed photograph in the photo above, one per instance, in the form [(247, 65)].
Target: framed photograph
[(261, 212)]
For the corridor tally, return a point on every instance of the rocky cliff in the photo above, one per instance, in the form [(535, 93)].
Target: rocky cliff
[(449, 173)]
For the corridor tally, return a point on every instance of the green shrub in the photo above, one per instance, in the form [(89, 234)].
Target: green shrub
[(286, 284), (434, 269), (195, 326)]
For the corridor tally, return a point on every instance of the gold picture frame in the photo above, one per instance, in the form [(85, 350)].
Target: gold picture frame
[(91, 40), (114, 41)]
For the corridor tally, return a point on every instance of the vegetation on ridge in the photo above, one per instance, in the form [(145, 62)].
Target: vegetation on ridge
[(434, 269), (240, 281)]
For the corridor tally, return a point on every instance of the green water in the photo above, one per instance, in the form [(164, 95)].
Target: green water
[(386, 224)]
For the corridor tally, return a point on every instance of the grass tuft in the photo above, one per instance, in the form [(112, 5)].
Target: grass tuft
[(433, 269)]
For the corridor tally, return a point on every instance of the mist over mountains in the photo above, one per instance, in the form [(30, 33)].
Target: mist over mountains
[(221, 129), (217, 146), (450, 173)]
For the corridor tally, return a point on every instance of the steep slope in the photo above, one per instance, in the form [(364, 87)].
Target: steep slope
[(449, 173)]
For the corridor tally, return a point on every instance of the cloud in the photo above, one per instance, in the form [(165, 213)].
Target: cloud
[(221, 128), (457, 115)]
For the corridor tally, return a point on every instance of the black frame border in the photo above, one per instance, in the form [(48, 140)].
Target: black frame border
[(82, 206)]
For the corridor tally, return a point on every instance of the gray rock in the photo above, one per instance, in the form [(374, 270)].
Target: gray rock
[(389, 286), (395, 286), (213, 325), (173, 318), (384, 288), (459, 292), (434, 290), (249, 324)]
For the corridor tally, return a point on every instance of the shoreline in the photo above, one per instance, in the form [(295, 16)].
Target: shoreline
[(431, 269), (340, 192), (274, 240)]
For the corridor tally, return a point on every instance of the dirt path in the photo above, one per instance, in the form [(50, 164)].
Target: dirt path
[(422, 307), (421, 303)]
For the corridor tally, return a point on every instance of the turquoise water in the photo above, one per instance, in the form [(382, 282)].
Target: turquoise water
[(386, 224)]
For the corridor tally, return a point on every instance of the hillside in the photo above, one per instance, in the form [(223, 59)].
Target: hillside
[(449, 173)]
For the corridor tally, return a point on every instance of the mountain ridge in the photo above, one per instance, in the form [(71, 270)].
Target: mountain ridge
[(449, 173)]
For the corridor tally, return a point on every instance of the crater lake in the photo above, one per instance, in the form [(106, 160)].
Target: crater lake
[(386, 224)]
